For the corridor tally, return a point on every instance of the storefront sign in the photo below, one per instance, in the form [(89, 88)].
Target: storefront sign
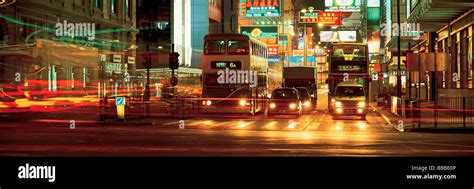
[(272, 50), (330, 18), (117, 58), (273, 59), (131, 60), (113, 67), (262, 8), (103, 58), (309, 17)]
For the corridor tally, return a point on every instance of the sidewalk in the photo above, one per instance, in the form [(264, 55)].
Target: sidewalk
[(86, 112), (445, 122), (391, 119)]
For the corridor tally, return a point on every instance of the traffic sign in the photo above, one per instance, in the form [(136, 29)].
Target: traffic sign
[(120, 101)]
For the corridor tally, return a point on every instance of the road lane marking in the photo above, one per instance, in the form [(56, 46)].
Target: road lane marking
[(317, 124)]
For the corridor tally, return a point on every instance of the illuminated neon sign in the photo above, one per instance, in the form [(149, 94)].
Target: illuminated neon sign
[(330, 18), (266, 34), (309, 17), (342, 5), (262, 8)]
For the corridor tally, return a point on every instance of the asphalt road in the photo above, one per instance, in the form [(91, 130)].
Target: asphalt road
[(314, 134)]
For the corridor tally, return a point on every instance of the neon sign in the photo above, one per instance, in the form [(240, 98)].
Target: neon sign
[(266, 34), (262, 8)]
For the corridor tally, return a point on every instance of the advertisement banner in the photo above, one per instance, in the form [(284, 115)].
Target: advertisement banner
[(266, 34), (338, 36)]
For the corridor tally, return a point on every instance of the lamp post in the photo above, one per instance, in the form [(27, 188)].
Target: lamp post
[(399, 74)]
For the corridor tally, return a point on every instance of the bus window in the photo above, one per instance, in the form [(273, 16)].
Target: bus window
[(238, 48), (214, 47)]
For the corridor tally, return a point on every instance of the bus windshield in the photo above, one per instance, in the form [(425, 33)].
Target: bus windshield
[(348, 59), (214, 47), (238, 47), (348, 53), (349, 91)]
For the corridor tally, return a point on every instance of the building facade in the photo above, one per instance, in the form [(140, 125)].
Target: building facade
[(41, 53)]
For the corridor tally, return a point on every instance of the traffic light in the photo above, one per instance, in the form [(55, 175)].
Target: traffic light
[(174, 60)]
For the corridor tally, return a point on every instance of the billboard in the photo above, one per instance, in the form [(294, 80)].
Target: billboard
[(261, 8), (342, 5), (338, 36), (266, 34)]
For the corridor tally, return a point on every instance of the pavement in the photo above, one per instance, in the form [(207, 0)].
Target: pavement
[(314, 134), (407, 124)]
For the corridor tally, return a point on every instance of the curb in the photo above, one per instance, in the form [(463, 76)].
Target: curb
[(387, 119)]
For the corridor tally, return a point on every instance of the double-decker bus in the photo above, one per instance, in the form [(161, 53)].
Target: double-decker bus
[(348, 62), (230, 64)]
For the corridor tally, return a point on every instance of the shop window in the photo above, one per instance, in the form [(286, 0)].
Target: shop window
[(470, 57)]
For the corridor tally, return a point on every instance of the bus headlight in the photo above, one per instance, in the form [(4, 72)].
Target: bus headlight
[(208, 102), (339, 110), (242, 102), (338, 104), (361, 104), (307, 104), (272, 105), (292, 105)]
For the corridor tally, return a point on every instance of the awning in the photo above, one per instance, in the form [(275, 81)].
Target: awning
[(404, 42), (434, 14)]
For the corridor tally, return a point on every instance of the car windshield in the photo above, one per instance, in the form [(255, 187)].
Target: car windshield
[(349, 91), (284, 94)]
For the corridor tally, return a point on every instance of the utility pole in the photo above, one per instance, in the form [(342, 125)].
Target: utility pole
[(305, 51)]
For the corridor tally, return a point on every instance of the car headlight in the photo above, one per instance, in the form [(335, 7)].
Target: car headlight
[(338, 104), (242, 102), (292, 105), (272, 105), (307, 104), (208, 102), (361, 104)]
